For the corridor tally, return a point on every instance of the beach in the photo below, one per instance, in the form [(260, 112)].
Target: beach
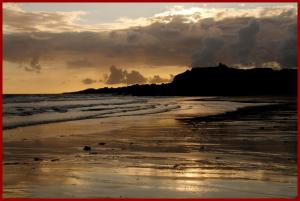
[(164, 147)]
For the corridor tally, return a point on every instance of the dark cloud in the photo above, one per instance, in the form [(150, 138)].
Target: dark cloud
[(22, 48), (157, 79), (34, 65), (116, 76), (288, 49), (208, 54), (247, 41), (132, 37), (88, 81), (236, 40), (120, 76), (134, 77)]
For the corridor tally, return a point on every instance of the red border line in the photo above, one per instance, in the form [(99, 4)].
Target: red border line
[(1, 73), (298, 106), (149, 1)]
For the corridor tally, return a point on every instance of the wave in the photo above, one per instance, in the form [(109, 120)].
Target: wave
[(20, 114), (27, 110)]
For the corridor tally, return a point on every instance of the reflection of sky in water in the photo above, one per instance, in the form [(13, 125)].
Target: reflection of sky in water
[(94, 181), (147, 167)]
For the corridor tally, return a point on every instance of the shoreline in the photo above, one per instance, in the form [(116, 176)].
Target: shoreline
[(134, 157), (201, 117), (242, 112)]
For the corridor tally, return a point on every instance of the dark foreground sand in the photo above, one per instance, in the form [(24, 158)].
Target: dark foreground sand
[(248, 153)]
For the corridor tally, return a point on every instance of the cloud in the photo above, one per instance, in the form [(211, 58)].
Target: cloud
[(12, 7), (157, 79), (247, 41), (17, 20), (80, 63), (171, 77), (174, 39), (116, 76), (120, 76), (288, 49), (34, 65), (271, 64), (207, 56), (88, 81), (194, 14), (134, 77)]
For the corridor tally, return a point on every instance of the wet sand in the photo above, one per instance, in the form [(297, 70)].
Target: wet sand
[(245, 154)]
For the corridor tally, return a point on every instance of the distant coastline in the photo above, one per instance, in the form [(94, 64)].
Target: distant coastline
[(214, 81)]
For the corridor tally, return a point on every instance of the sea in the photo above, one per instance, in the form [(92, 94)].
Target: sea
[(149, 147), (26, 110)]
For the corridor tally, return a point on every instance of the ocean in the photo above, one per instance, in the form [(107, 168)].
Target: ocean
[(149, 147), (25, 110)]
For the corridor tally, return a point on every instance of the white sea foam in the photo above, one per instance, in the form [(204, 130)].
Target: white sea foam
[(25, 110)]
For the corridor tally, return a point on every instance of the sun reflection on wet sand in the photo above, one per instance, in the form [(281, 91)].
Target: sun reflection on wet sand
[(150, 156)]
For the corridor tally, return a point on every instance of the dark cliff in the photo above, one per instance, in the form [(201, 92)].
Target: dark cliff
[(220, 80)]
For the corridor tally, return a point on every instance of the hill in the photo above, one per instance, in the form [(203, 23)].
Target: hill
[(216, 81)]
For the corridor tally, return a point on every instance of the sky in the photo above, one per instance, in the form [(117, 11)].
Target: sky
[(61, 47)]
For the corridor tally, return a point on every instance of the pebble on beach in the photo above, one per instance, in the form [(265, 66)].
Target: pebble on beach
[(37, 159), (87, 148), (201, 148)]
